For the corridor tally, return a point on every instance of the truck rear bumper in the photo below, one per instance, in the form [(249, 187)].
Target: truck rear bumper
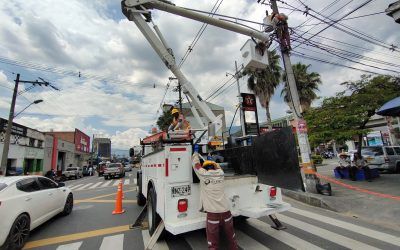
[(200, 222)]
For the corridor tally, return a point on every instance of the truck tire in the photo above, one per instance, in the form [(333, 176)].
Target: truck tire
[(141, 200), (152, 217)]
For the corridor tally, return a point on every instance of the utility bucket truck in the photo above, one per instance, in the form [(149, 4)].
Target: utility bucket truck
[(167, 185)]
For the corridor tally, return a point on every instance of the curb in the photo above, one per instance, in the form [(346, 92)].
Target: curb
[(310, 199)]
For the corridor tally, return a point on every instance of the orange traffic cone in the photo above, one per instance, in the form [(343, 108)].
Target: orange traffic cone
[(118, 202)]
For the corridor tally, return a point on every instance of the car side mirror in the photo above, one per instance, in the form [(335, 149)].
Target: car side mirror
[(61, 184)]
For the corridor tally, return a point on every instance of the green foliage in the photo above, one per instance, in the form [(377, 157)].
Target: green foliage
[(307, 84), (317, 159), (164, 121), (344, 116), (263, 83)]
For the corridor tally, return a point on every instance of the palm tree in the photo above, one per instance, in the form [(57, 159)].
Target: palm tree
[(307, 85), (263, 83)]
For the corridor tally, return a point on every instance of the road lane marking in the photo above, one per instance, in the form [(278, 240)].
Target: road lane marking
[(106, 184), (160, 245), (76, 236), (285, 237), (102, 201), (95, 185), (106, 195), (76, 186), (248, 243), (84, 186), (348, 226), (325, 234), (72, 246), (116, 183), (115, 242), (127, 182)]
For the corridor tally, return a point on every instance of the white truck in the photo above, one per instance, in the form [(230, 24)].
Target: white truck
[(167, 186)]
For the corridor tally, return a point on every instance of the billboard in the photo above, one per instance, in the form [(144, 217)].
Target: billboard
[(82, 141), (16, 129)]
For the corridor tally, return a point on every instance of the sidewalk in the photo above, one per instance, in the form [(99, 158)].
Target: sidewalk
[(377, 201)]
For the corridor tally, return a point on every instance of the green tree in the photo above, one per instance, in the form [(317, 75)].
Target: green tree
[(263, 83), (307, 84), (164, 121), (346, 115)]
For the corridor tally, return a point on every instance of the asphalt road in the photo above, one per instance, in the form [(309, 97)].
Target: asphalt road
[(92, 226)]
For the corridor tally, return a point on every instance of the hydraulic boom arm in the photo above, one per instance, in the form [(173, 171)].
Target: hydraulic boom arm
[(138, 12)]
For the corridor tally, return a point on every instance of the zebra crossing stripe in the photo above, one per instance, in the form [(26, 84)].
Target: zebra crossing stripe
[(115, 242), (286, 238), (348, 226), (323, 233), (160, 245), (116, 183), (72, 246), (135, 181), (127, 181), (107, 183), (84, 186), (96, 185), (76, 186), (248, 243)]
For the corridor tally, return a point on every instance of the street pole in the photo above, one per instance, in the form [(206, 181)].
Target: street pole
[(6, 146), (240, 103), (180, 96), (309, 171)]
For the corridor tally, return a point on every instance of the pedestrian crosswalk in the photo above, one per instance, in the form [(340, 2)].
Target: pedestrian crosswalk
[(305, 230), (101, 184)]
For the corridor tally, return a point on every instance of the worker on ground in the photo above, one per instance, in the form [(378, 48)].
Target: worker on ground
[(214, 202), (178, 121)]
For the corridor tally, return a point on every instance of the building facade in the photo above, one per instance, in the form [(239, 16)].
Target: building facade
[(26, 151), (102, 148)]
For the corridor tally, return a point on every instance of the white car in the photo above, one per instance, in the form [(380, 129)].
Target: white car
[(27, 202)]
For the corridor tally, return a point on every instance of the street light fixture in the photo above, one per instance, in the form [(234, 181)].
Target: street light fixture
[(34, 102)]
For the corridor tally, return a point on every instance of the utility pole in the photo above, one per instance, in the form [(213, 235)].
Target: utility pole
[(309, 171), (6, 146), (180, 96), (240, 103)]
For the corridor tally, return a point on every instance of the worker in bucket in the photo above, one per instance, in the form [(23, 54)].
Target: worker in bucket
[(213, 201), (178, 121)]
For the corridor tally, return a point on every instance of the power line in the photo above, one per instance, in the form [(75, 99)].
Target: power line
[(349, 18), (220, 87), (199, 34)]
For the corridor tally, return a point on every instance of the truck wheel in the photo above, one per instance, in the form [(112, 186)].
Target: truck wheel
[(152, 217), (141, 200)]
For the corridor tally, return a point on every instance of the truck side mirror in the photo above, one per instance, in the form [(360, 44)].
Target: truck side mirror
[(131, 152)]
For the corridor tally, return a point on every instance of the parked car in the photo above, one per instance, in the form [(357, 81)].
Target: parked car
[(127, 167), (26, 203), (100, 168), (114, 170), (384, 158), (73, 172)]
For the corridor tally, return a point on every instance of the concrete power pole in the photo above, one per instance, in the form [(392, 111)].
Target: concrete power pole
[(6, 145), (309, 171)]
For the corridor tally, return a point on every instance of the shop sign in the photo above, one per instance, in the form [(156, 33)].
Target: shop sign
[(15, 130), (82, 141)]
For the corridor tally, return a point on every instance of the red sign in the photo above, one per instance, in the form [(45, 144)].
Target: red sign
[(249, 102), (82, 141)]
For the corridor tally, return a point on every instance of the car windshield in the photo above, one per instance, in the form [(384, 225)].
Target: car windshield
[(372, 151), (71, 169), (2, 186), (113, 165)]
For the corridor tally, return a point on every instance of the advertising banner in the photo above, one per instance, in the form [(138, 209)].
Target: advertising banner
[(82, 141), (15, 130)]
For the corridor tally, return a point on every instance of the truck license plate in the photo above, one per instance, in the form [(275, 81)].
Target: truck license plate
[(180, 191)]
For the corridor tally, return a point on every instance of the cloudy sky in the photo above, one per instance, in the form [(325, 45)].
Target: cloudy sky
[(111, 82)]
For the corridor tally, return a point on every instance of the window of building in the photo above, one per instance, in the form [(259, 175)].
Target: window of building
[(40, 144), (31, 142)]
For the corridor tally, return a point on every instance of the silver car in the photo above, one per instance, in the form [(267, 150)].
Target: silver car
[(73, 172), (384, 158)]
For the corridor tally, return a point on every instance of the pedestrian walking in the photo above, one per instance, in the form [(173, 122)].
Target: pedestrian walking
[(213, 202)]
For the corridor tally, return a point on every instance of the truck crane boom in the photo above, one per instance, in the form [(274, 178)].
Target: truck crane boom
[(138, 11)]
